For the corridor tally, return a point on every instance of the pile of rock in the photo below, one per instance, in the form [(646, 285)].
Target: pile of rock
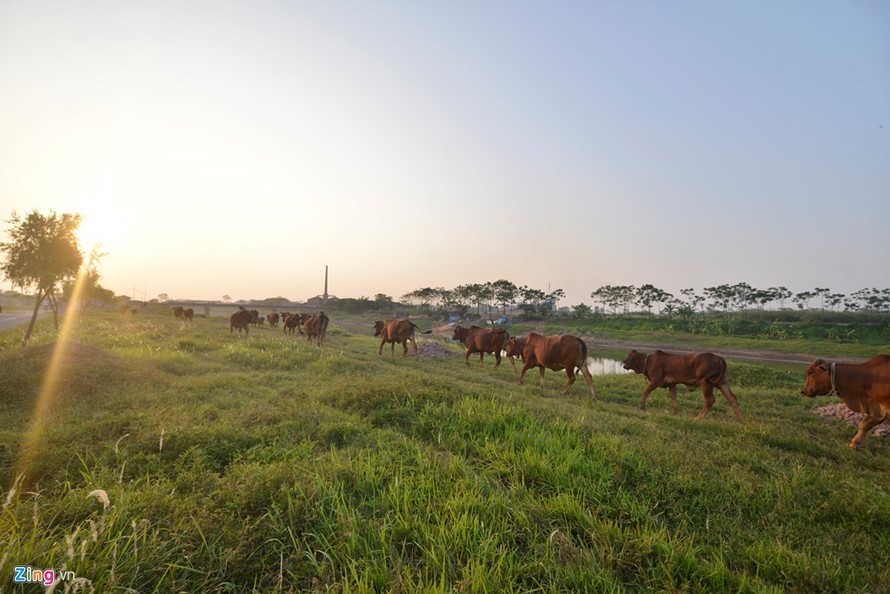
[(841, 412), (434, 350)]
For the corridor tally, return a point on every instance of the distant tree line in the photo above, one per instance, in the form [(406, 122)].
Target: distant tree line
[(738, 297), (499, 296), (486, 299)]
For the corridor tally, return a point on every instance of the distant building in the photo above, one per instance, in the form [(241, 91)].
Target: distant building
[(319, 300)]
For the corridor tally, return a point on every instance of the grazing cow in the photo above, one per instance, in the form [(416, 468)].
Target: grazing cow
[(272, 318), (394, 331), (864, 388), (481, 340), (177, 312), (666, 370), (188, 314), (317, 327), (557, 352), (240, 319)]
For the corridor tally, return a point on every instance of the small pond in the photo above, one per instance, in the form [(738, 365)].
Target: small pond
[(604, 366)]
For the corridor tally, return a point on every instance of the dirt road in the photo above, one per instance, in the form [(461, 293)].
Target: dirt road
[(746, 354), (13, 319)]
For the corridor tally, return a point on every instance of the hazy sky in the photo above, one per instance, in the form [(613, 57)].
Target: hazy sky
[(239, 147)]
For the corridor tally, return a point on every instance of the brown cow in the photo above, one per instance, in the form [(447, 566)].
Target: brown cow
[(481, 340), (864, 388), (292, 322), (240, 319), (272, 318), (177, 312), (188, 313), (558, 352), (316, 327), (666, 370), (394, 331), (513, 349)]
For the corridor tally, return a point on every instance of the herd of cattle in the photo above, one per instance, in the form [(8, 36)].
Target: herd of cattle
[(864, 387), (313, 326)]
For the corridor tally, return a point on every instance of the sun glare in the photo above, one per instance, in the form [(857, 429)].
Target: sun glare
[(98, 230)]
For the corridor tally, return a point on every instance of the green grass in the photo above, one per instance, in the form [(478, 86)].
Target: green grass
[(265, 464)]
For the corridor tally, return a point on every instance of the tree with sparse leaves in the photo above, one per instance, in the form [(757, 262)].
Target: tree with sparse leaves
[(85, 289), (41, 254)]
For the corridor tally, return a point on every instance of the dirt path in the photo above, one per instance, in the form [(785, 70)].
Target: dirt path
[(766, 356), (746, 354), (15, 318)]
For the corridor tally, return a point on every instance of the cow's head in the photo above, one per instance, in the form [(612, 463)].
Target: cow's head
[(635, 362), (378, 328), (513, 347), (818, 380), (459, 333)]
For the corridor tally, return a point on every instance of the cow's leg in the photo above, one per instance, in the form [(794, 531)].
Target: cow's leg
[(864, 427), (404, 348), (673, 390), (727, 392), (646, 391), (467, 357), (588, 377), (414, 343), (708, 394), (541, 369), (525, 368), (481, 356), (570, 372), (497, 358), (380, 350)]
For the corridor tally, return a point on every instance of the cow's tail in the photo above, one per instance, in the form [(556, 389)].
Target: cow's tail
[(416, 327), (583, 360)]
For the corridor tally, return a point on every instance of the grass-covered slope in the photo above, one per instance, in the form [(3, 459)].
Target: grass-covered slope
[(265, 464)]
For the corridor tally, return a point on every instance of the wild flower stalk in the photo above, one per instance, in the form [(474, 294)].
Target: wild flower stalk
[(102, 496), (69, 540), (121, 438), (12, 491)]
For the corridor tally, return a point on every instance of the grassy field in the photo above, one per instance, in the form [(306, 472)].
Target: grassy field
[(264, 464)]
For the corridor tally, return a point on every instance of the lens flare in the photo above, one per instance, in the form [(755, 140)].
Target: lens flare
[(49, 388)]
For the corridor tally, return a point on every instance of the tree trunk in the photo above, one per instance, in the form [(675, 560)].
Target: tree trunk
[(54, 305), (39, 300)]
